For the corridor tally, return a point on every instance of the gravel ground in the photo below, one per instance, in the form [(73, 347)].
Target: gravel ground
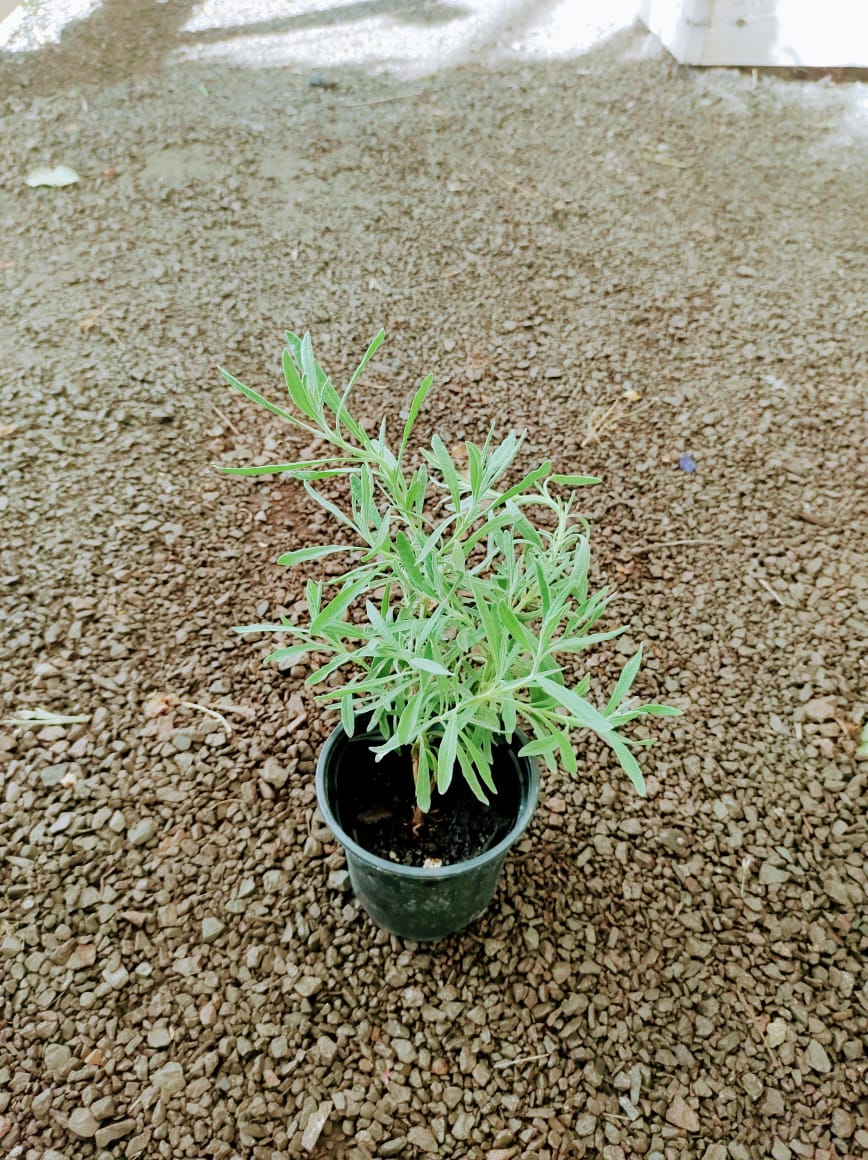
[(635, 261)]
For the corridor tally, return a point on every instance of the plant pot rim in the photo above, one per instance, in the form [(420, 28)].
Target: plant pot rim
[(526, 809)]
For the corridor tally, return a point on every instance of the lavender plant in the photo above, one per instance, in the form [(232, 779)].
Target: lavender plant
[(471, 591)]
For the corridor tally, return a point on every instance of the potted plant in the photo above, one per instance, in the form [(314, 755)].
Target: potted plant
[(458, 598)]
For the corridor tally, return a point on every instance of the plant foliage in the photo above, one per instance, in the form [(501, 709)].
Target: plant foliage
[(471, 590)]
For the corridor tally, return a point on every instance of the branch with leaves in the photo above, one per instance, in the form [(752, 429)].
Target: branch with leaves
[(470, 593)]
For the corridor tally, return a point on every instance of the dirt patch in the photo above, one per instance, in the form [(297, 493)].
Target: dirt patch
[(377, 810)]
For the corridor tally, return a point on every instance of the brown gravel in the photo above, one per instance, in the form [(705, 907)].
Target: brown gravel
[(183, 971)]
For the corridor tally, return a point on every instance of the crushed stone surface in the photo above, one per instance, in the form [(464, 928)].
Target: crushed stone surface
[(638, 263)]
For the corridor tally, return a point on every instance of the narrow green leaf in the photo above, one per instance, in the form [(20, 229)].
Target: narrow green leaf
[(469, 775), (476, 467), (539, 746), (348, 719), (384, 603), (428, 666), (336, 607), (423, 778), (255, 397), (518, 631), (523, 484), (544, 593), (625, 681), (405, 731), (291, 653), (576, 480), (299, 392), (302, 471), (480, 760), (341, 415), (373, 347), (446, 754), (628, 762), (582, 711), (508, 715), (319, 498), (449, 474), (579, 643), (415, 407), (326, 670), (568, 754), (300, 555)]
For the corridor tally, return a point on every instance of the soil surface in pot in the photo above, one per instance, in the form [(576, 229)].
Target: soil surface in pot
[(376, 809)]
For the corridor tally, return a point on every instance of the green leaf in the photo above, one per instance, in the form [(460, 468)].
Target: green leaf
[(310, 371), (242, 628), (415, 407), (568, 754), (326, 670), (329, 506), (429, 666), (628, 762), (625, 681), (408, 559), (479, 756), (300, 555), (348, 719), (293, 652), (476, 468), (341, 415), (443, 461), (373, 347), (544, 593), (423, 779), (315, 469), (539, 746), (582, 711), (298, 392), (313, 596), (518, 631), (384, 603), (336, 607), (255, 397), (578, 643), (417, 490), (405, 731), (508, 715), (523, 484), (469, 775), (576, 480), (446, 753)]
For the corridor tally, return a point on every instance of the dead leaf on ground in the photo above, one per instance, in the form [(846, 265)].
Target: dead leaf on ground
[(88, 322), (669, 162), (159, 703)]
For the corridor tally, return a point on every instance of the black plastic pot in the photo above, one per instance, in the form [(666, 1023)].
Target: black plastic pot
[(419, 902)]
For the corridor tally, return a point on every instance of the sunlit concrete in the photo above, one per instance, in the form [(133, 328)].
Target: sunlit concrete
[(35, 23), (406, 37)]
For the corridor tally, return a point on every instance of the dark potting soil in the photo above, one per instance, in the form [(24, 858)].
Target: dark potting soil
[(377, 809)]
